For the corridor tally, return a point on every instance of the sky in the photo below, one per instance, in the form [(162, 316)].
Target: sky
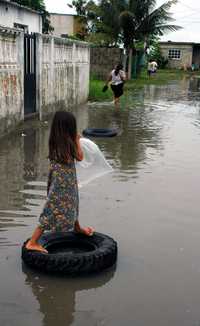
[(186, 14)]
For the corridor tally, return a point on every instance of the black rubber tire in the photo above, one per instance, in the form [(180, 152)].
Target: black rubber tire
[(99, 132), (100, 253)]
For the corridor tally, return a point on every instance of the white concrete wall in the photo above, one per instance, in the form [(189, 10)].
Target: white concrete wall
[(10, 14), (64, 75), (11, 80), (62, 24)]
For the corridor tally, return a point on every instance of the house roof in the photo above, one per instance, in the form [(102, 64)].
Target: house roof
[(14, 4), (178, 43), (59, 14)]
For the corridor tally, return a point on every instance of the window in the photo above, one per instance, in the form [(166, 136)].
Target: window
[(24, 28), (174, 54)]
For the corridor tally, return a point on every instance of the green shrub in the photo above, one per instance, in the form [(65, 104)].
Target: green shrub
[(96, 93)]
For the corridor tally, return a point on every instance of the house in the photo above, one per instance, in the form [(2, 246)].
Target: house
[(66, 24), (181, 55), (13, 15)]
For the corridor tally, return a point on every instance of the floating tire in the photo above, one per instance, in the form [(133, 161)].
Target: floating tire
[(99, 132), (71, 253)]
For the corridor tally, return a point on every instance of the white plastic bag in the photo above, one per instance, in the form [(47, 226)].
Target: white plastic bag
[(94, 164)]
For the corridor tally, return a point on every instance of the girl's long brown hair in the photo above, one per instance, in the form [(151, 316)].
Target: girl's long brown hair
[(62, 138)]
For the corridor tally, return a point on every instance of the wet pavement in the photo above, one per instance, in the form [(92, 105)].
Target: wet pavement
[(149, 204)]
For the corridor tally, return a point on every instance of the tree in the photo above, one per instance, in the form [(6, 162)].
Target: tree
[(39, 6), (108, 20), (99, 21), (156, 54), (140, 21), (126, 22), (87, 14)]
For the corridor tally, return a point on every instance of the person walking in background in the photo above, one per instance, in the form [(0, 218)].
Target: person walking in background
[(60, 212), (152, 67), (116, 78)]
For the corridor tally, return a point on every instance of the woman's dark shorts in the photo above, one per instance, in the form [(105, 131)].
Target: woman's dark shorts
[(117, 89)]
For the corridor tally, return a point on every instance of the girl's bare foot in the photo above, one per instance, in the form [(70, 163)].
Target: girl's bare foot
[(35, 246), (87, 231)]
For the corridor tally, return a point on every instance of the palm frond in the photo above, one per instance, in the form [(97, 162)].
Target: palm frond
[(158, 20), (168, 28)]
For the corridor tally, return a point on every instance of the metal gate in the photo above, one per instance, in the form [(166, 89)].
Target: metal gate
[(29, 74)]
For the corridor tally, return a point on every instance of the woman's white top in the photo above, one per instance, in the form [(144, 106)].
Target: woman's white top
[(117, 79)]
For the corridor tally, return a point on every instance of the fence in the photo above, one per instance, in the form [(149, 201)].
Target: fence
[(102, 60), (61, 75)]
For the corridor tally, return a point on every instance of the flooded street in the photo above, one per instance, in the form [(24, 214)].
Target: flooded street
[(149, 204)]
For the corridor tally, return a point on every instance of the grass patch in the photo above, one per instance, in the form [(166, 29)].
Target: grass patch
[(96, 94), (160, 78)]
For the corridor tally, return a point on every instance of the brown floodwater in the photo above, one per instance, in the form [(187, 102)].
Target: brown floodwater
[(149, 204)]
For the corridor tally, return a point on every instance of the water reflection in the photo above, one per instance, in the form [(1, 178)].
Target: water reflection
[(142, 134), (154, 217), (197, 120), (57, 296), (142, 127), (138, 129), (194, 86), (187, 89), (23, 159)]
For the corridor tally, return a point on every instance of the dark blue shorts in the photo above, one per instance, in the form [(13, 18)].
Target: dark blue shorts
[(117, 89)]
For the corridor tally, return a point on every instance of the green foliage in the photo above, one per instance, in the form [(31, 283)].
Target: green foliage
[(87, 12), (72, 37), (39, 6), (33, 4), (100, 39), (141, 20), (101, 23), (162, 77), (155, 54), (95, 92), (108, 20), (125, 21)]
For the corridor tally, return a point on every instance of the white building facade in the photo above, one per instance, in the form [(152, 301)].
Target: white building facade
[(13, 15), (63, 24)]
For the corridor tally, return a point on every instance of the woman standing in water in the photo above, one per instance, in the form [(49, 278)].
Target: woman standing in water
[(116, 79)]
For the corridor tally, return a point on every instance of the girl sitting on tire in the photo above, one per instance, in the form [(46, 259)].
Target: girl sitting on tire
[(60, 212)]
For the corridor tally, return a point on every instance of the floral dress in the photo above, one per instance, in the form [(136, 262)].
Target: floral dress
[(61, 208)]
